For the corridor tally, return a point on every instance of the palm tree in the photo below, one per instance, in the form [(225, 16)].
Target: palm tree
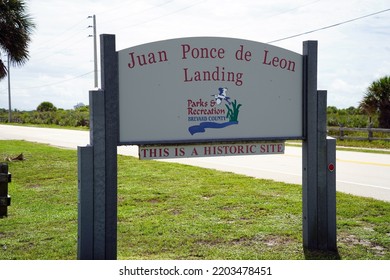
[(377, 99), (16, 27)]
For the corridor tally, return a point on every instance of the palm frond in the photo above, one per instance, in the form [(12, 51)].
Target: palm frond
[(16, 27)]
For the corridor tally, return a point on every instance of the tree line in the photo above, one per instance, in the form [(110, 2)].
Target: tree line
[(350, 117), (47, 114)]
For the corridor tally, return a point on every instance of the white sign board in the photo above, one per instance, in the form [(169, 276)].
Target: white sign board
[(210, 150), (207, 89)]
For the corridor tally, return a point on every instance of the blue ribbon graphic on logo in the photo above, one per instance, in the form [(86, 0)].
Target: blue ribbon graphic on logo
[(202, 126)]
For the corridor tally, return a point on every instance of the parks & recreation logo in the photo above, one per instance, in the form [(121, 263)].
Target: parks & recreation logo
[(216, 112)]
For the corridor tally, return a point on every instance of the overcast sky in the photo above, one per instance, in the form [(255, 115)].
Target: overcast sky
[(60, 69)]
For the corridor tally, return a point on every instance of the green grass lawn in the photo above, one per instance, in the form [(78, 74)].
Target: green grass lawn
[(173, 211)]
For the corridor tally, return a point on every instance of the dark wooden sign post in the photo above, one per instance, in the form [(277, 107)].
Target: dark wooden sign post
[(97, 162)]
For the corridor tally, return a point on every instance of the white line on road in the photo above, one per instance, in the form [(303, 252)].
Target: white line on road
[(363, 185)]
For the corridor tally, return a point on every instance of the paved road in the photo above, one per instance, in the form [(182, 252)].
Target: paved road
[(362, 174)]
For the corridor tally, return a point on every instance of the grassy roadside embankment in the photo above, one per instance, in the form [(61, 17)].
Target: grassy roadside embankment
[(173, 211)]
